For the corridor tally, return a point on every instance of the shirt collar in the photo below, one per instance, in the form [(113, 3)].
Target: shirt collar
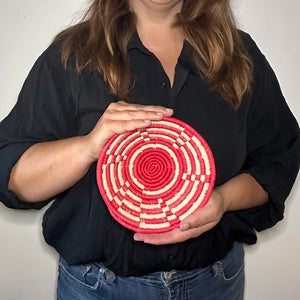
[(136, 43), (185, 57)]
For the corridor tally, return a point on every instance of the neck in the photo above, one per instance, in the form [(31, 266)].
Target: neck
[(155, 21), (155, 16)]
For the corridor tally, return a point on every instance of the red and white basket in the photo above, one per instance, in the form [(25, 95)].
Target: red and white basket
[(153, 178)]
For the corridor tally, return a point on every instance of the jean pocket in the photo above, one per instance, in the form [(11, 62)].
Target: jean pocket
[(83, 275), (231, 266)]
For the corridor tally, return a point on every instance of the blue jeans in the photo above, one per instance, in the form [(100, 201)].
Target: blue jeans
[(223, 280)]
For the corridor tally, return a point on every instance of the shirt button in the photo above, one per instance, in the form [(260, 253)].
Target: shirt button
[(163, 85)]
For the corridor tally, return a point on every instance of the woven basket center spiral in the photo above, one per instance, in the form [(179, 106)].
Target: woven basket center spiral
[(154, 168)]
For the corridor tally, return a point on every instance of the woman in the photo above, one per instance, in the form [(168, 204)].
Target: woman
[(161, 58)]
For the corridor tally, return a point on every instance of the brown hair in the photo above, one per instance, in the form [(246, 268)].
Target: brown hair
[(100, 42)]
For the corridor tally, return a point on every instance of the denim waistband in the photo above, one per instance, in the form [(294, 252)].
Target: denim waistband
[(222, 280), (237, 252)]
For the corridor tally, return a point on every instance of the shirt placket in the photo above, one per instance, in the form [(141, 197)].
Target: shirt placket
[(181, 75)]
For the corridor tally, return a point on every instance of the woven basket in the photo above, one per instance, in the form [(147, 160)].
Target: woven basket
[(153, 178)]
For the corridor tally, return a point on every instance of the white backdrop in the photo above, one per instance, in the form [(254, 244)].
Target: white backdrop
[(28, 265)]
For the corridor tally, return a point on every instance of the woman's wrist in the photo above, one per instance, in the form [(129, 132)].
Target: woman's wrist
[(89, 155), (225, 201), (241, 192)]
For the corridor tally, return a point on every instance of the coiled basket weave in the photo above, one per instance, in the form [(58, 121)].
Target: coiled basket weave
[(153, 178)]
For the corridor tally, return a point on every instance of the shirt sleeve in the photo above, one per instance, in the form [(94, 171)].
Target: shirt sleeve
[(273, 143), (43, 112)]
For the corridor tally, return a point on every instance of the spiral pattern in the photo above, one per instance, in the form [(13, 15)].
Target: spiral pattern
[(153, 178)]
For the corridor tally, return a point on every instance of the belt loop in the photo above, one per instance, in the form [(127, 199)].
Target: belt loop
[(109, 275), (217, 268)]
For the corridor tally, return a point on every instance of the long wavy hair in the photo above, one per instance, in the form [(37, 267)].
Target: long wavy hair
[(100, 40)]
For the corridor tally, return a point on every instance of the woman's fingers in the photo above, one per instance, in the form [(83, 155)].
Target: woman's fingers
[(121, 105), (119, 118), (134, 114), (212, 212), (112, 127), (126, 111), (192, 226), (172, 237)]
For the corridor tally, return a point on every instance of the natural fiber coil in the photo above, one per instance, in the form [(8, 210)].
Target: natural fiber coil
[(153, 178)]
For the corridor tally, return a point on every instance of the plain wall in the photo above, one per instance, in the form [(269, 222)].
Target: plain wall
[(28, 265)]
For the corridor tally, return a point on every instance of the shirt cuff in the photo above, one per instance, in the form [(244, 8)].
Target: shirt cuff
[(266, 215), (10, 154)]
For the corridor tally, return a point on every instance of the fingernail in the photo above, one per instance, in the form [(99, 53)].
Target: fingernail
[(169, 110), (184, 226), (147, 122), (159, 114)]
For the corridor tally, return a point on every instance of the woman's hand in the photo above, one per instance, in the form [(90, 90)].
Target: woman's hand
[(192, 226), (240, 192), (119, 118)]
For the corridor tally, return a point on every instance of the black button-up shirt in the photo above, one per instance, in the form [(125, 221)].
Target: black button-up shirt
[(260, 138)]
